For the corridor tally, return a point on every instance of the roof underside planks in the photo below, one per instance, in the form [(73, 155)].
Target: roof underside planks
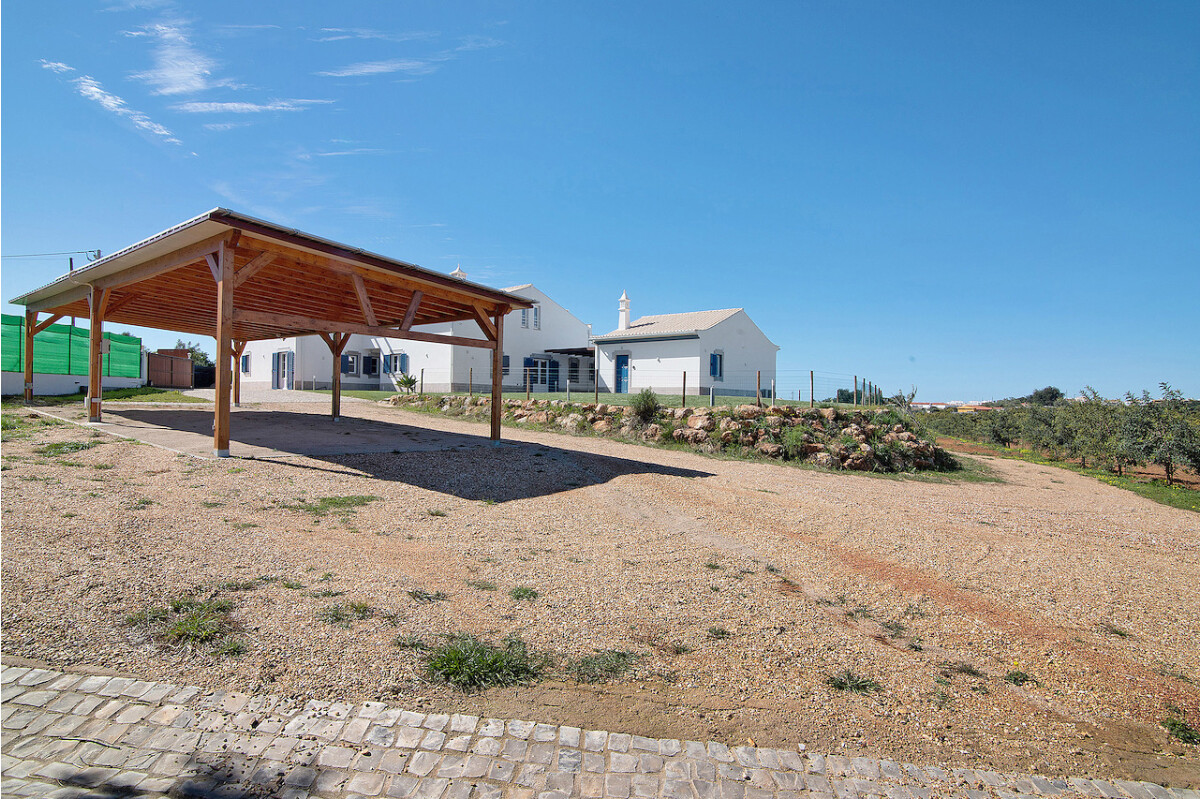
[(287, 283)]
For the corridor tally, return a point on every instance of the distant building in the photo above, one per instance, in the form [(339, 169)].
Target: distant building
[(722, 350), (546, 344)]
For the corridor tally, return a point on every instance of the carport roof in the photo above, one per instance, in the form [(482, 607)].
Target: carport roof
[(286, 283)]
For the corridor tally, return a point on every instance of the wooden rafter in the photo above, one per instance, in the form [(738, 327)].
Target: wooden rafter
[(364, 302), (307, 324)]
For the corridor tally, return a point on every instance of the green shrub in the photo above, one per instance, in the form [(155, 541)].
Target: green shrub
[(847, 680), (1180, 729), (645, 405), (523, 592), (470, 664)]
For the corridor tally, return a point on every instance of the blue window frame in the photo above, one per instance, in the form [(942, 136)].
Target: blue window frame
[(716, 366)]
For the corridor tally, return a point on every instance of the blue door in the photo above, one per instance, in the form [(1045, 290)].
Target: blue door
[(622, 376)]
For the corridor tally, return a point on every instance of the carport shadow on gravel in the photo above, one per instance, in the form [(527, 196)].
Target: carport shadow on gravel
[(467, 466)]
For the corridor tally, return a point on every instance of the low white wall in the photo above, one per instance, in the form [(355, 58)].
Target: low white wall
[(55, 385)]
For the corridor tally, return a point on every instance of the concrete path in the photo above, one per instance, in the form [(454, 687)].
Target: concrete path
[(77, 735)]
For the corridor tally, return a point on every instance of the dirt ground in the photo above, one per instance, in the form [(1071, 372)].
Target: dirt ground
[(935, 590)]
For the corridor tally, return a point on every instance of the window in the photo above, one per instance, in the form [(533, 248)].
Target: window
[(505, 363), (543, 372), (573, 370), (370, 365), (716, 366), (537, 317), (524, 317), (245, 364), (350, 364), (399, 363)]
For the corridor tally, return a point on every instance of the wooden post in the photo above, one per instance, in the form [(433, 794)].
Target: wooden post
[(336, 342), (30, 325), (497, 373), (812, 397), (772, 392), (223, 268), (596, 386), (683, 404), (527, 379), (97, 300), (856, 391), (422, 391), (471, 382), (758, 388), (239, 348)]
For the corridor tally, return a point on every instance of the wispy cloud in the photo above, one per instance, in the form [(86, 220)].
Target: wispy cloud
[(91, 89), (342, 34), (179, 67), (220, 126), (56, 66), (412, 66), (409, 66), (246, 108), (355, 151)]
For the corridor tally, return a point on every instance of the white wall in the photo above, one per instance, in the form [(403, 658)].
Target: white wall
[(746, 350), (657, 365)]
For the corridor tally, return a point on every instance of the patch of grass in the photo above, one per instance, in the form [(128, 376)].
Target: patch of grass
[(1111, 629), (340, 505), (847, 680), (211, 504), (436, 512), (961, 668), (469, 664), (893, 628), (718, 633), (712, 564), (292, 584), (607, 664), (482, 585), (230, 647), (1018, 677), (773, 569), (326, 577), (143, 394), (409, 642), (1178, 728), (523, 592), (1168, 671), (327, 592), (859, 612), (202, 622), (143, 502), (342, 615), (64, 447), (676, 648), (421, 595)]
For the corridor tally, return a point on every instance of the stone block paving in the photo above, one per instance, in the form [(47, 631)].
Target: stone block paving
[(76, 735)]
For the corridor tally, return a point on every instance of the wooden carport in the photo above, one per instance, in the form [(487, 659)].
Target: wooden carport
[(240, 279)]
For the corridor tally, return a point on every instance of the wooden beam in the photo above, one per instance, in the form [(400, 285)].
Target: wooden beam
[(165, 263), (30, 332), (40, 326), (250, 267), (214, 266), (497, 375), (224, 336), (113, 307), (413, 304), (80, 292), (303, 325), (485, 324), (239, 348), (98, 302), (364, 302)]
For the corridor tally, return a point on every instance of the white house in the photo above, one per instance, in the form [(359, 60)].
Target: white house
[(546, 343), (721, 350)]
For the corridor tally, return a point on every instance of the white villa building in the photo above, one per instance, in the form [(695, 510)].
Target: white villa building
[(720, 350), (545, 344)]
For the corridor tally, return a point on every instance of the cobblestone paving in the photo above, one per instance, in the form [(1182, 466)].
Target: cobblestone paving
[(77, 735)]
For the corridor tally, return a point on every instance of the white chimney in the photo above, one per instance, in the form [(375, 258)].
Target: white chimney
[(458, 273), (623, 320)]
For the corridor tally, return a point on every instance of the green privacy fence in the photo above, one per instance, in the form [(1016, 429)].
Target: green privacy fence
[(63, 350)]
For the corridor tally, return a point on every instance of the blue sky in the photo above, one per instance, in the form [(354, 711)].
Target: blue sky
[(978, 199)]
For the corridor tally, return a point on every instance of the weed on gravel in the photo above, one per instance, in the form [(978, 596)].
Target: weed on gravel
[(1018, 678), (409, 642), (470, 664), (63, 448), (523, 592), (846, 680), (342, 615), (482, 585), (607, 664), (187, 620), (1178, 728), (425, 597), (342, 506)]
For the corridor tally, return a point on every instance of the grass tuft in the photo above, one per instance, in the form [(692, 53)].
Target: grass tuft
[(847, 680), (342, 615), (326, 505), (482, 585), (718, 633), (424, 596), (607, 664), (1018, 677), (1178, 728), (523, 592), (469, 664)]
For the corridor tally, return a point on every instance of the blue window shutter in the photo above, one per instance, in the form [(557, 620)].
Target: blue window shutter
[(345, 364), (404, 363), (712, 365)]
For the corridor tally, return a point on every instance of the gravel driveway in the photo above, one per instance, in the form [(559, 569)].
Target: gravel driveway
[(741, 588)]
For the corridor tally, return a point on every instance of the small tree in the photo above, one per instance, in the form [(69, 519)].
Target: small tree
[(407, 383), (199, 356), (645, 405), (1161, 432), (1045, 396)]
